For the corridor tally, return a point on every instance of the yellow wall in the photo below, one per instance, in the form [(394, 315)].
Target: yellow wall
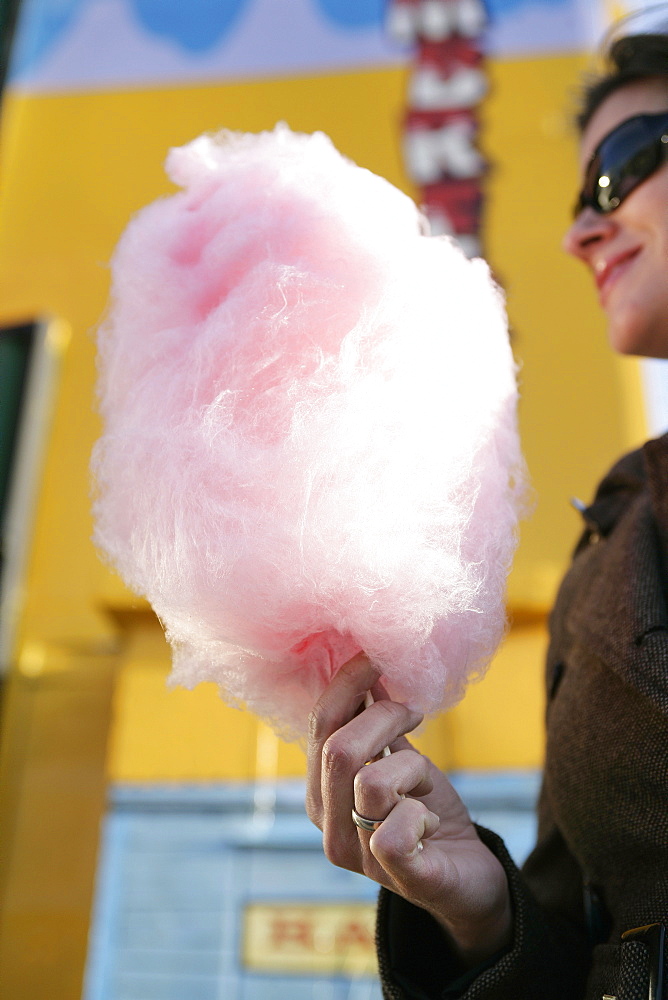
[(581, 405), (75, 167)]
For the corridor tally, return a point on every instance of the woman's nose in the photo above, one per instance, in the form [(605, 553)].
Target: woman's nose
[(588, 230)]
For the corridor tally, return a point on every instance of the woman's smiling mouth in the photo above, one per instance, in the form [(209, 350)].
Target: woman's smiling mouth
[(607, 272)]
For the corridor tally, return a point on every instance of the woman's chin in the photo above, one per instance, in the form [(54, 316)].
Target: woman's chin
[(632, 340)]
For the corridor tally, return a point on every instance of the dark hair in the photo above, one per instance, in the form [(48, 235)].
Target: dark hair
[(629, 59)]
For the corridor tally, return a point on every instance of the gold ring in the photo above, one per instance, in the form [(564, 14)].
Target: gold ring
[(370, 825)]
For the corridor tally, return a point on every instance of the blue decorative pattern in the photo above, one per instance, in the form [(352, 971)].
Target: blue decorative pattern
[(498, 8), (196, 26), (41, 25), (354, 13), (65, 45)]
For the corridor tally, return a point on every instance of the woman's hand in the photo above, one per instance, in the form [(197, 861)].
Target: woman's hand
[(453, 875)]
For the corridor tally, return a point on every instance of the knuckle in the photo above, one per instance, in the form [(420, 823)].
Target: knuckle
[(370, 788), (365, 780), (336, 757), (394, 842), (316, 725)]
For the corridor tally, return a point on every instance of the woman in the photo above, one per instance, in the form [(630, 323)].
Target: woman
[(456, 918)]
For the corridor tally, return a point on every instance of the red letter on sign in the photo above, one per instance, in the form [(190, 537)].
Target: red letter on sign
[(354, 935), (286, 931)]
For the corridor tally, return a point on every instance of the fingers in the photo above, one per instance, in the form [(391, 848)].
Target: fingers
[(401, 848), (338, 704), (437, 863), (379, 786), (344, 754), (395, 844), (394, 855), (380, 793), (341, 741)]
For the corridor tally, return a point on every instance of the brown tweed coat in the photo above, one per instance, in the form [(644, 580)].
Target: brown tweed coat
[(600, 866)]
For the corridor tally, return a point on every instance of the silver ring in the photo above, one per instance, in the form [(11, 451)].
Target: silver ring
[(370, 825)]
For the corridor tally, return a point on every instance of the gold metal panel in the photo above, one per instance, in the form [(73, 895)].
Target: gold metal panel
[(52, 799)]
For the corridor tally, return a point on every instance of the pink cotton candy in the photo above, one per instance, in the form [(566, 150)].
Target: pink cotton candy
[(310, 442)]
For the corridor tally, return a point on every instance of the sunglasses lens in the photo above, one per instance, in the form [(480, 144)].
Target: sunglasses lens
[(640, 166), (590, 188), (623, 160)]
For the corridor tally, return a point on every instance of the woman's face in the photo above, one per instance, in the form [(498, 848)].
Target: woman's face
[(627, 250)]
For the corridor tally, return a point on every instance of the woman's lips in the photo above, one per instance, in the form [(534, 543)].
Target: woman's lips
[(607, 272)]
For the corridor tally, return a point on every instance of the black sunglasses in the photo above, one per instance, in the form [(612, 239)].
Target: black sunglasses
[(625, 158)]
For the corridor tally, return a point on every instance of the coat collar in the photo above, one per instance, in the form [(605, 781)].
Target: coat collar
[(622, 610), (655, 454), (644, 469)]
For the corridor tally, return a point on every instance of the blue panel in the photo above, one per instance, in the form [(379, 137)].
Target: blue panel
[(354, 13), (41, 24), (67, 45), (196, 25), (500, 7)]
